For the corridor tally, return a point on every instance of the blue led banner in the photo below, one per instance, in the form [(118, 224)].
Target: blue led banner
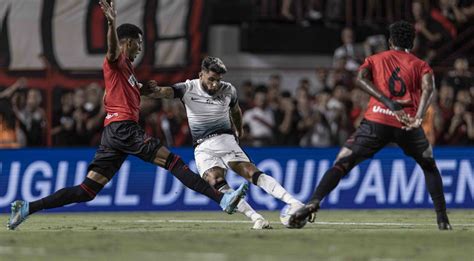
[(389, 180)]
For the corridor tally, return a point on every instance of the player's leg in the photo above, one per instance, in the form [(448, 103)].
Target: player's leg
[(105, 164), (368, 139), (215, 176), (266, 182), (134, 141), (415, 144)]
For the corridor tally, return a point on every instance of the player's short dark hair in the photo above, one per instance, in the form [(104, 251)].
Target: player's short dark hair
[(402, 34), (128, 31), (213, 64)]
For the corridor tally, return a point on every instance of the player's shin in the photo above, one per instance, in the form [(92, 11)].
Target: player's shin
[(329, 181), (272, 187), (181, 171), (81, 193)]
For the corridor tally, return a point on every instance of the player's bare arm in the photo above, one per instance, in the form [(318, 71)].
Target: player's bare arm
[(427, 91), (113, 50), (365, 83), (152, 90), (236, 116)]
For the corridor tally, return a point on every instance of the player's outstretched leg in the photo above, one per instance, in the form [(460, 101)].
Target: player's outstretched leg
[(329, 181), (249, 171), (177, 167), (86, 191)]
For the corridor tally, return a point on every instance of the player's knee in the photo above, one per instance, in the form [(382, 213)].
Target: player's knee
[(255, 176), (88, 190)]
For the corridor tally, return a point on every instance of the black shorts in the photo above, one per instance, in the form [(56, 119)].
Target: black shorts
[(371, 137), (120, 139)]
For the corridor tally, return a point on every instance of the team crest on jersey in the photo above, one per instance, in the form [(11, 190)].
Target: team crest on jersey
[(133, 81)]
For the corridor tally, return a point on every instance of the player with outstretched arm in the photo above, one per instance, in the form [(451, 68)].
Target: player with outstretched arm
[(122, 136), (215, 120)]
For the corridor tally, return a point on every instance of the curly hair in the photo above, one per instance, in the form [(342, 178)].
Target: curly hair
[(402, 34), (213, 64), (128, 31)]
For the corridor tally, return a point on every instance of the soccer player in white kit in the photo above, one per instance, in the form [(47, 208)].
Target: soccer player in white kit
[(215, 120)]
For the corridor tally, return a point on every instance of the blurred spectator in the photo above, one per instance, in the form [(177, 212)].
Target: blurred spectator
[(94, 113), (448, 15), (245, 95), (375, 44), (302, 11), (337, 114), (32, 118), (63, 131), (461, 129), (360, 100), (260, 119), (314, 128), (286, 121), (169, 124), (273, 91), (321, 80), (430, 34), (461, 78), (350, 53), (317, 132), (10, 133)]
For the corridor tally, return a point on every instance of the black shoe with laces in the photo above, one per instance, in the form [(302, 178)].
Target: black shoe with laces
[(307, 212), (443, 222)]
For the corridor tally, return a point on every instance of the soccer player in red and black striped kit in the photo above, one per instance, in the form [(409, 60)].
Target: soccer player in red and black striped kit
[(122, 136), (401, 87)]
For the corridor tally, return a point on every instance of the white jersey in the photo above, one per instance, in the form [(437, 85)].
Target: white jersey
[(207, 114)]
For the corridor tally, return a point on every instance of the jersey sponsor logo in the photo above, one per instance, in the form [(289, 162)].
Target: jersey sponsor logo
[(216, 101), (133, 81), (378, 109), (111, 115)]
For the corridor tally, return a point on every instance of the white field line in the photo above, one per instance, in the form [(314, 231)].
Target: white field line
[(317, 223)]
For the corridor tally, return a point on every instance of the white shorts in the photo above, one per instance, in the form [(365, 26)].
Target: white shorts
[(218, 151)]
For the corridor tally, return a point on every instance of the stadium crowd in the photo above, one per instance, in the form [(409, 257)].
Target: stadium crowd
[(317, 113)]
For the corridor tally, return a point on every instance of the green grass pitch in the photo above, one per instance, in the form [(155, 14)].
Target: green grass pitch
[(382, 235)]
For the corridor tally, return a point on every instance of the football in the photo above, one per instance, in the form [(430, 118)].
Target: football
[(285, 217)]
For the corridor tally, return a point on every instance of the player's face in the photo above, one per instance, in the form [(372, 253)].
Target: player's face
[(135, 47), (210, 81)]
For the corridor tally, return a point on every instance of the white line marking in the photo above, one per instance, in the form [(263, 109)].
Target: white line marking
[(317, 223)]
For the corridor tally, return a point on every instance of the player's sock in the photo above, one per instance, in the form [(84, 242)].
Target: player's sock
[(329, 181), (81, 193), (243, 206), (181, 171), (434, 184), (272, 187)]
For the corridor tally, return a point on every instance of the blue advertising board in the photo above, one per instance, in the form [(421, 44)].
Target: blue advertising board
[(389, 180)]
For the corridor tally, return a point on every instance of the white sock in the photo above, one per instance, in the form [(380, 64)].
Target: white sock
[(272, 187), (243, 207)]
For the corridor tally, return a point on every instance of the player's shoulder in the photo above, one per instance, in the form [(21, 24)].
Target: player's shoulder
[(189, 85), (227, 86)]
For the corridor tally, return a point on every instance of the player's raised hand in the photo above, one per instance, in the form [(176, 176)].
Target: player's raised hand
[(108, 10)]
